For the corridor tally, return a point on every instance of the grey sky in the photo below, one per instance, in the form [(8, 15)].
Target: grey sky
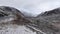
[(34, 7)]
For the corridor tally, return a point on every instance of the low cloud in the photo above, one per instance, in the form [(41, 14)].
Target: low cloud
[(33, 7)]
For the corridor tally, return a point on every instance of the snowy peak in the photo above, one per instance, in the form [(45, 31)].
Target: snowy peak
[(51, 12)]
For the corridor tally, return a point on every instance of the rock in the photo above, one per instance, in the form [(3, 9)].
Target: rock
[(49, 22), (12, 21), (11, 15)]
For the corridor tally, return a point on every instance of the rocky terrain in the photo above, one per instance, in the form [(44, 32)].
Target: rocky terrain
[(12, 21), (48, 22)]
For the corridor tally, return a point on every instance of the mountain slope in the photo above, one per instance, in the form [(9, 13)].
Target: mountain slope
[(49, 21)]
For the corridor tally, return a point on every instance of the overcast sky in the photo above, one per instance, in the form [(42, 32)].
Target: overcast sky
[(34, 7)]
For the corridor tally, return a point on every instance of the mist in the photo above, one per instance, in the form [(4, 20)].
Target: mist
[(31, 7)]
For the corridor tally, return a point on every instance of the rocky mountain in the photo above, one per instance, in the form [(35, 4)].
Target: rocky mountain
[(11, 15), (51, 12), (49, 21), (45, 23), (12, 21)]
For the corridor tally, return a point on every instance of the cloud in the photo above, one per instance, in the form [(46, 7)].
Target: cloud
[(34, 7)]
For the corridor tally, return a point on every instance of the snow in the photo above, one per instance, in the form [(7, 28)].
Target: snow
[(15, 29), (33, 7)]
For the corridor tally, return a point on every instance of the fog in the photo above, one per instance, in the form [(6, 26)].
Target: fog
[(32, 7), (29, 8)]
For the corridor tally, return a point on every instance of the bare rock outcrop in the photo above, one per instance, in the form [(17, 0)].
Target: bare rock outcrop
[(12, 21), (49, 22), (11, 15)]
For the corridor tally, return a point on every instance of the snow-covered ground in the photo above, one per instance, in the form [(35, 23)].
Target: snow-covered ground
[(15, 29)]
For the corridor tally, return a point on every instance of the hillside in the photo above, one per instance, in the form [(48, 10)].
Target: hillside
[(49, 21)]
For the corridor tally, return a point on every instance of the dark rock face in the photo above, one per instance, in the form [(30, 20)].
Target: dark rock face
[(11, 15), (51, 12), (46, 23), (49, 22), (12, 21)]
